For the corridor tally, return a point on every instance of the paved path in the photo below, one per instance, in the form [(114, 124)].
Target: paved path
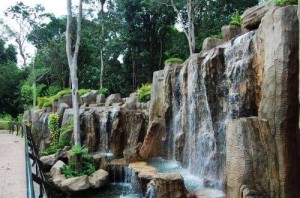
[(12, 166)]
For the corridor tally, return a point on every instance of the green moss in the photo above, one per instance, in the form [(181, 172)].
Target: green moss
[(174, 60), (286, 2), (236, 19), (144, 93), (217, 36), (48, 101)]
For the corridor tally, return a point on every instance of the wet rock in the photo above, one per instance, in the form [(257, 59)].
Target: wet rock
[(210, 43), (99, 178), (140, 175), (166, 185), (116, 169), (251, 158), (113, 98), (152, 146), (89, 98), (76, 184), (67, 118), (231, 31), (132, 154), (207, 193)]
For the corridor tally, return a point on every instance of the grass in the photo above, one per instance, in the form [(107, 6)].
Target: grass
[(286, 2)]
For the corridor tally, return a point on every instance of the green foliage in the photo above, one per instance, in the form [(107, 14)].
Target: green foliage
[(103, 91), (53, 125), (53, 148), (79, 150), (80, 158), (174, 60), (217, 36), (4, 119), (144, 93), (83, 91), (236, 19), (286, 2)]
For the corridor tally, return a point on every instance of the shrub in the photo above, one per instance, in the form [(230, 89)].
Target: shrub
[(103, 91), (217, 36), (236, 19), (53, 125), (144, 93), (47, 101), (286, 2), (83, 91), (174, 60), (81, 163), (4, 121), (54, 148)]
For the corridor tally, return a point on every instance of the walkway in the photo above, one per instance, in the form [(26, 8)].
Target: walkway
[(12, 166)]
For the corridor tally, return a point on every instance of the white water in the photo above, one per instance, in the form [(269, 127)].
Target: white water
[(212, 97)]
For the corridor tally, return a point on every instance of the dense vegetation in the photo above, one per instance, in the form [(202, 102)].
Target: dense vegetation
[(138, 36)]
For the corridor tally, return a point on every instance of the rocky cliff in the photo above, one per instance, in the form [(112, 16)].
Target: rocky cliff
[(230, 114)]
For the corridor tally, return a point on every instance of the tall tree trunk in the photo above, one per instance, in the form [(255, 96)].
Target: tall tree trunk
[(191, 26), (34, 95), (101, 46), (72, 61)]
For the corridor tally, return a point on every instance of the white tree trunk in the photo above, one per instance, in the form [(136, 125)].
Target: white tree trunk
[(101, 40), (72, 61)]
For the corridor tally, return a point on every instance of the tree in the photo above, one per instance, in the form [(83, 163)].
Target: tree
[(72, 62), (26, 18), (101, 12)]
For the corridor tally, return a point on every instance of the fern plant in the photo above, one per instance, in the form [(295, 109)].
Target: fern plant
[(236, 19)]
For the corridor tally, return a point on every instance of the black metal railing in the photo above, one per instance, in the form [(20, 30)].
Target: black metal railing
[(36, 182)]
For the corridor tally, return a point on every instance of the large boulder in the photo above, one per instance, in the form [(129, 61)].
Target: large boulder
[(210, 43), (152, 146), (131, 101), (252, 16), (55, 172), (251, 159), (166, 185), (113, 98), (100, 99), (48, 161), (99, 178), (89, 98), (76, 184), (231, 31), (277, 43)]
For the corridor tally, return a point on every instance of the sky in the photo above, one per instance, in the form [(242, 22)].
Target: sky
[(57, 7)]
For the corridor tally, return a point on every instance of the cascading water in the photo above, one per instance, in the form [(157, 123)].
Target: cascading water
[(216, 88)]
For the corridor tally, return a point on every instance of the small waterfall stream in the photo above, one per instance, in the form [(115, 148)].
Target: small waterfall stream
[(217, 89)]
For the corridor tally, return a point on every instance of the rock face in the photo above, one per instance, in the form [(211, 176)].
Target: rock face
[(166, 185), (76, 183), (114, 98), (231, 31), (99, 178), (210, 43), (254, 74), (251, 159), (277, 42), (252, 16), (89, 98)]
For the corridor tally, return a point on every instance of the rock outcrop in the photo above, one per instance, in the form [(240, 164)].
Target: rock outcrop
[(251, 160), (277, 43), (166, 185), (254, 74)]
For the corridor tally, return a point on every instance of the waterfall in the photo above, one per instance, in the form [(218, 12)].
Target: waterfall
[(106, 120), (210, 89)]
